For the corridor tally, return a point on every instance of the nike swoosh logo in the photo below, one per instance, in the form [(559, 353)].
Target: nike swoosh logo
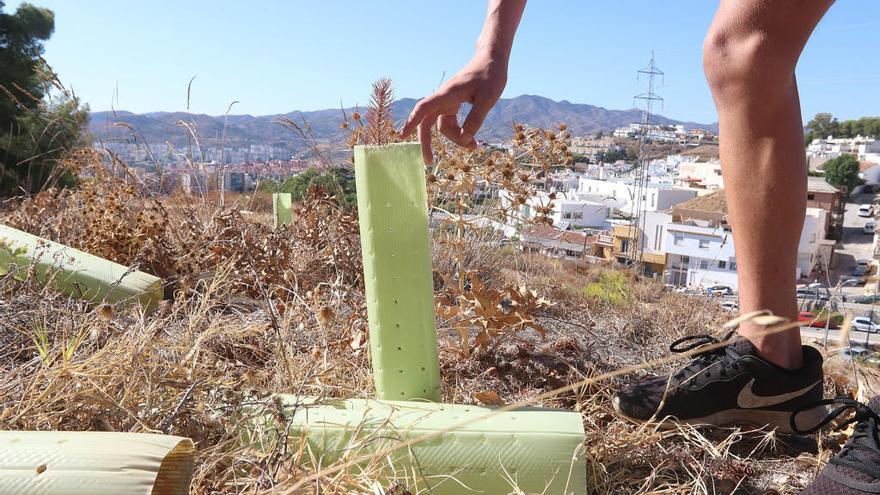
[(748, 400)]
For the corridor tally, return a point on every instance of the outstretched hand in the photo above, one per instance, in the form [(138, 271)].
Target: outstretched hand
[(479, 83)]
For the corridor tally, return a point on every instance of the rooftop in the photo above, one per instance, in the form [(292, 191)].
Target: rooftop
[(713, 202), (819, 184)]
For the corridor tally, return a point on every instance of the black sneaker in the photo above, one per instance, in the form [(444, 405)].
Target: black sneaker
[(724, 386), (855, 470)]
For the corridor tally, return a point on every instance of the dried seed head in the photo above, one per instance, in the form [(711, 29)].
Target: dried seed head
[(105, 311)]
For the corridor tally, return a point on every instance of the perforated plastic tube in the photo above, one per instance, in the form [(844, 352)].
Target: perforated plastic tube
[(539, 449), (281, 209), (393, 215), (94, 463), (74, 272)]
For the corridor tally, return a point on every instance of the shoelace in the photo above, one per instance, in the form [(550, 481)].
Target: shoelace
[(701, 360), (857, 453)]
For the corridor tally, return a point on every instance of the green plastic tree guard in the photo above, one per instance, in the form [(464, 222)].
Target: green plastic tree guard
[(393, 215), (281, 209), (74, 272), (94, 463), (538, 450)]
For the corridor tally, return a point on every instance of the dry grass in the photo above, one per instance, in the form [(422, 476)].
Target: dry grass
[(252, 311)]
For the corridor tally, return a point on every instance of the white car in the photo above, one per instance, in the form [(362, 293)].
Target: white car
[(866, 210), (730, 305), (864, 324), (869, 227), (853, 282)]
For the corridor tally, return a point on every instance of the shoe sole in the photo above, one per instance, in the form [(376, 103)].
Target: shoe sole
[(758, 417)]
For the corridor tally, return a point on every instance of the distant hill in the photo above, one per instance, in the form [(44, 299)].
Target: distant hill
[(159, 127)]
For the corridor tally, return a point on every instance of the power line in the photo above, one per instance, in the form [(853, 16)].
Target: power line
[(637, 222)]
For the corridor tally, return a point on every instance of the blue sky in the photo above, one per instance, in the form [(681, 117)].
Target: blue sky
[(277, 56)]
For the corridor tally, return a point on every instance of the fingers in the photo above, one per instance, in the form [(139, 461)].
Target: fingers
[(474, 120), (448, 126), (442, 108), (418, 114), (425, 137)]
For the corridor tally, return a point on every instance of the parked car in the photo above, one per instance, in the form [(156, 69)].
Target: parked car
[(864, 324), (855, 351), (873, 298), (815, 285), (853, 282), (860, 270), (719, 290), (866, 210), (817, 320), (730, 305), (869, 227), (818, 294)]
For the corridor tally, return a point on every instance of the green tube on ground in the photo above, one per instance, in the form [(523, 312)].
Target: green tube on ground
[(393, 215), (94, 463), (281, 209), (538, 450), (75, 273)]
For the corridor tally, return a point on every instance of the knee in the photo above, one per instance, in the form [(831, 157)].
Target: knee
[(739, 63)]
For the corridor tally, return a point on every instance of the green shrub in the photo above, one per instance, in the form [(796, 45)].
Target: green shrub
[(611, 287)]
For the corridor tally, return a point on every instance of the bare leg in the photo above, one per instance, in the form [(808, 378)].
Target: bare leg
[(750, 56)]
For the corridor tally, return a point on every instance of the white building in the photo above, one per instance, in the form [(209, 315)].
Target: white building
[(700, 256), (866, 149), (651, 229), (700, 250), (567, 211), (706, 175), (655, 196), (654, 132)]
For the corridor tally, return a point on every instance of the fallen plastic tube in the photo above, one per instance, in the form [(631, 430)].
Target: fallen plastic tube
[(537, 450), (393, 216), (94, 463), (74, 272), (281, 209)]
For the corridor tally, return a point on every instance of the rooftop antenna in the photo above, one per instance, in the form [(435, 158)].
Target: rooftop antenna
[(637, 223)]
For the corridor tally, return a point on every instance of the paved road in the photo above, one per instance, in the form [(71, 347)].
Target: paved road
[(855, 337), (854, 246)]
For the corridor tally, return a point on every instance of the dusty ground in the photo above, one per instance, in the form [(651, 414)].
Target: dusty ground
[(252, 311)]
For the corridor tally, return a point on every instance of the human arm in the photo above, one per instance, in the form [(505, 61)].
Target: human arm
[(480, 82)]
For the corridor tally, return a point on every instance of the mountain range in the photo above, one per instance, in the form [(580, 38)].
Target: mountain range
[(243, 130)]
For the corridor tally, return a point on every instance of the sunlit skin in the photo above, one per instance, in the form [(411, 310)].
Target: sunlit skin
[(750, 55), (749, 58)]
